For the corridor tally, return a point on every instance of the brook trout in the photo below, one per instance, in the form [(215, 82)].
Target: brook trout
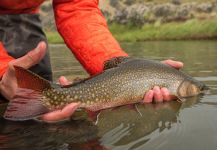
[(124, 81)]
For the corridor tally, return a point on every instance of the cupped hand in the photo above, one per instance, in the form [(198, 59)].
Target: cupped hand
[(8, 84), (158, 94)]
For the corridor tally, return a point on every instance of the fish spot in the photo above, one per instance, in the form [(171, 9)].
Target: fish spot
[(55, 97), (93, 95), (62, 97), (76, 96), (47, 103)]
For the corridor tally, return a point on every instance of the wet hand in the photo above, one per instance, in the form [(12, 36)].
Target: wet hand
[(158, 94), (8, 84)]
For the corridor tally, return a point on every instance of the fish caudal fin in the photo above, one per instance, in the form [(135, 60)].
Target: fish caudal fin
[(27, 105), (27, 102)]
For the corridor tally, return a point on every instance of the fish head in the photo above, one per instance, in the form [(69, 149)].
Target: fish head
[(190, 87)]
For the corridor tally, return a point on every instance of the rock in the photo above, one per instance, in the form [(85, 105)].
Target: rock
[(205, 7), (176, 2), (162, 10)]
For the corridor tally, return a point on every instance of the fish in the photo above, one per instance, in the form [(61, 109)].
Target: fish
[(124, 80)]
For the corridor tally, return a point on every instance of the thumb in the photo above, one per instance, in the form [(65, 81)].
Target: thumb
[(31, 58)]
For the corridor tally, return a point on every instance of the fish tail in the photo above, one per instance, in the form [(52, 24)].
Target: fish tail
[(27, 103)]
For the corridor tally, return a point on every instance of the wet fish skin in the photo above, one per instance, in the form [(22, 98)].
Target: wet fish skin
[(125, 82)]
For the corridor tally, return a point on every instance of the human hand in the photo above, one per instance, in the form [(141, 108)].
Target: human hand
[(158, 94), (8, 84)]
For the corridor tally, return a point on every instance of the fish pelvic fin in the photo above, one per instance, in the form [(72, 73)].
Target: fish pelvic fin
[(27, 102)]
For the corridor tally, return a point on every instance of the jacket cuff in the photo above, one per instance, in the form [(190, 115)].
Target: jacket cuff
[(4, 60)]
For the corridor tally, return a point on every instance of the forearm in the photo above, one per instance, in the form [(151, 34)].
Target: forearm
[(85, 32), (4, 60)]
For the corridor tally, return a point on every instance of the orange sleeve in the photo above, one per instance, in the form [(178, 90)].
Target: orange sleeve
[(85, 31), (4, 60)]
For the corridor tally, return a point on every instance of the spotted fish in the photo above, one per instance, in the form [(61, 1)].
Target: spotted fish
[(124, 81)]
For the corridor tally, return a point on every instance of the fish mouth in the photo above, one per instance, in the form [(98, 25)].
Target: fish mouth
[(204, 89)]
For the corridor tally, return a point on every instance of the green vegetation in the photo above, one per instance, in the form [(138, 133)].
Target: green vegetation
[(191, 29), (183, 1), (54, 37)]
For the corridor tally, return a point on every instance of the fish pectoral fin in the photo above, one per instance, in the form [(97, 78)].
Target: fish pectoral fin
[(114, 62), (181, 99)]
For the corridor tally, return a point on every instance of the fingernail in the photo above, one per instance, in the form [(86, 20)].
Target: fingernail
[(181, 64), (40, 46), (165, 90), (62, 78), (148, 97), (156, 89)]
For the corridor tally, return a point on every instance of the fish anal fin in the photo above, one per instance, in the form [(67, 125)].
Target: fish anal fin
[(92, 114)]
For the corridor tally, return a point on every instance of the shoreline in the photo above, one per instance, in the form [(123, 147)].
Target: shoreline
[(190, 30)]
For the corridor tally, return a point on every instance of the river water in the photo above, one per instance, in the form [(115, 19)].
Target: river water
[(172, 125)]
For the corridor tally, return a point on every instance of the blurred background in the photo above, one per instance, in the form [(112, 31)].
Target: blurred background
[(142, 20)]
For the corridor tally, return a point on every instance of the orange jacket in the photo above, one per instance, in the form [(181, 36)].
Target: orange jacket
[(4, 60), (81, 24)]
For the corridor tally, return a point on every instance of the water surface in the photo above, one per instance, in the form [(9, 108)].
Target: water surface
[(171, 125)]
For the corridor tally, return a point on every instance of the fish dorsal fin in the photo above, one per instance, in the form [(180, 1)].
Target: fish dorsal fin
[(114, 62), (75, 82)]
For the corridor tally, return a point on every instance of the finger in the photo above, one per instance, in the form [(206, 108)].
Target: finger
[(158, 97), (31, 58), (58, 115), (175, 64), (148, 97), (63, 81), (166, 94)]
